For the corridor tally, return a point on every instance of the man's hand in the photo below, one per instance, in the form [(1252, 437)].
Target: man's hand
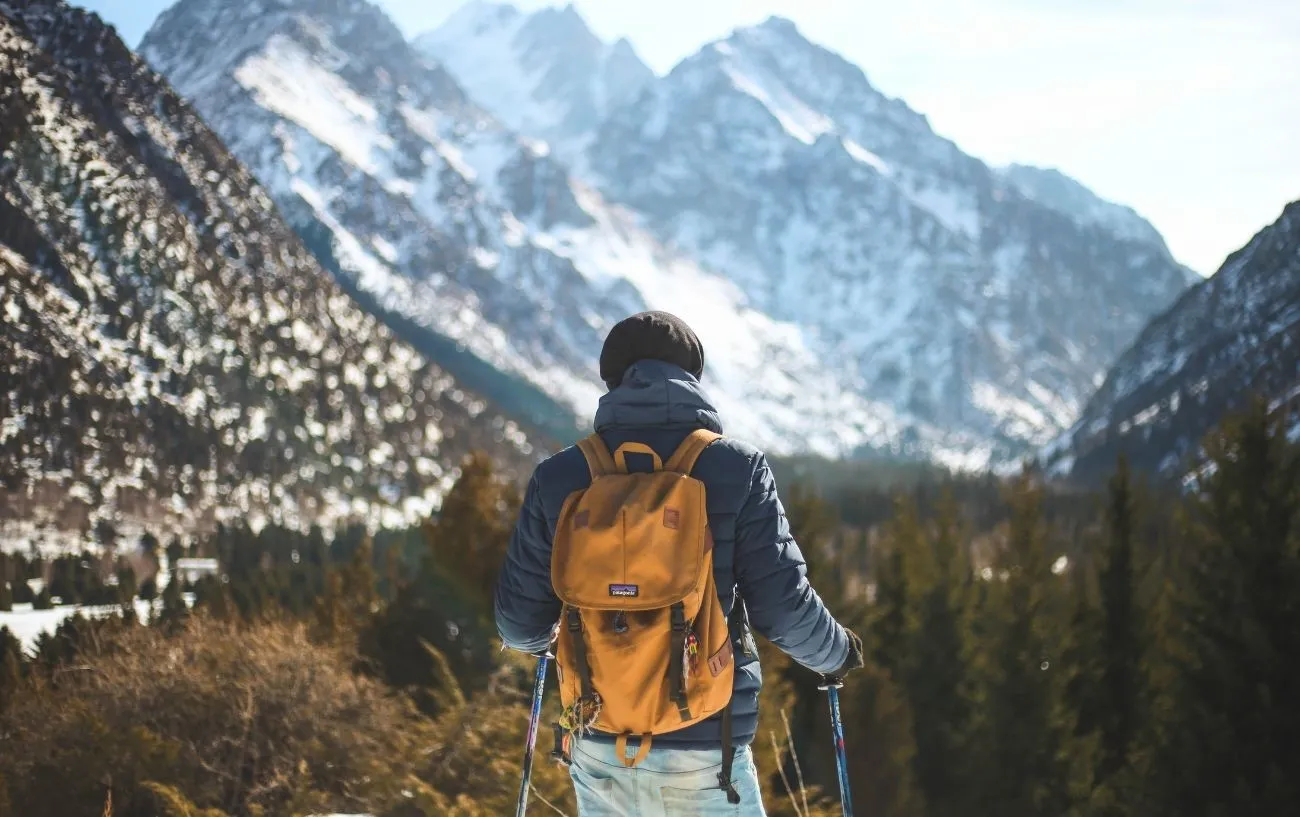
[(854, 660)]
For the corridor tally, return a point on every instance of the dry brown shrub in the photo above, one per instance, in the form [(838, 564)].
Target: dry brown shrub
[(249, 721)]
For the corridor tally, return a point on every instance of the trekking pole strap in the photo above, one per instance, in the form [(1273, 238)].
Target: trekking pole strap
[(728, 759), (560, 753)]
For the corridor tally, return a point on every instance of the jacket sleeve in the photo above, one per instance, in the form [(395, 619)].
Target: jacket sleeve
[(773, 581), (526, 605)]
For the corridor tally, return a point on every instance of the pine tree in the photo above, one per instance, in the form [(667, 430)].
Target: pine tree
[(174, 610), (11, 666), (1082, 650), (815, 527), (937, 670), (360, 585), (1026, 756), (19, 572), (891, 621), (126, 589), (468, 538), (175, 551), (1227, 743), (7, 577), (330, 615), (213, 596), (1121, 650)]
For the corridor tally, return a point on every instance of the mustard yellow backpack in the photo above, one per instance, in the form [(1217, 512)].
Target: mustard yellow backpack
[(643, 646)]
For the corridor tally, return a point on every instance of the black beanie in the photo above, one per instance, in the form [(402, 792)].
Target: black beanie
[(650, 336)]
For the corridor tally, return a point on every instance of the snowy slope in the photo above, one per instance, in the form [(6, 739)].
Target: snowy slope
[(170, 354), (544, 74), (1054, 189), (932, 282), (1234, 335), (451, 221)]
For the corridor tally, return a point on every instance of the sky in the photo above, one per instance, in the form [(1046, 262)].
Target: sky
[(1186, 110)]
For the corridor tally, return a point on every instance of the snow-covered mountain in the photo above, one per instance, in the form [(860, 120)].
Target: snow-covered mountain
[(450, 222), (1054, 189), (945, 290), (543, 74), (987, 303), (170, 353), (1235, 335)]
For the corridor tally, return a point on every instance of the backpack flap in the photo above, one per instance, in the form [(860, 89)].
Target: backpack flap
[(631, 542)]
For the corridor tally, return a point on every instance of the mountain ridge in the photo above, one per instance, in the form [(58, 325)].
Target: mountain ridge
[(1234, 336), (941, 310), (579, 79), (777, 161), (173, 357), (452, 221)]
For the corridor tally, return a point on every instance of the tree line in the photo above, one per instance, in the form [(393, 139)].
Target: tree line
[(1131, 652), (1032, 650)]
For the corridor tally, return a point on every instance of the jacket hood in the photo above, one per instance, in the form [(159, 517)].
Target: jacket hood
[(655, 394)]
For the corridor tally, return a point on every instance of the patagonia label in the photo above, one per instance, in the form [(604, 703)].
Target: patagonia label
[(625, 590)]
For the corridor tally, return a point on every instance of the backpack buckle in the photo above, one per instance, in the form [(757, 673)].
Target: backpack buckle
[(679, 618)]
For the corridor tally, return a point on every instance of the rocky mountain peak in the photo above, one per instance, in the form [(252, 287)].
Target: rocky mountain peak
[(839, 209), (204, 367), (479, 242), (1231, 337), (945, 310), (545, 74)]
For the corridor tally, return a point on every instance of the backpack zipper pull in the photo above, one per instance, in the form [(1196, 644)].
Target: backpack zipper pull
[(690, 654)]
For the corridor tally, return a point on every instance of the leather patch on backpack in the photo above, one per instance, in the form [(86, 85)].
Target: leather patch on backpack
[(720, 659), (672, 518), (581, 519)]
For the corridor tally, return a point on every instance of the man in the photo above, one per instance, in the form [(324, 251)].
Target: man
[(652, 363)]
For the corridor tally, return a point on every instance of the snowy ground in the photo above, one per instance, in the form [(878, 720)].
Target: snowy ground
[(27, 624)]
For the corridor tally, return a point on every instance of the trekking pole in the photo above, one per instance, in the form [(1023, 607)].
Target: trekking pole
[(832, 685), (539, 686)]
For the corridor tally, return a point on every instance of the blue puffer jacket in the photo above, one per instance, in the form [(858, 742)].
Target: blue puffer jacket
[(659, 404)]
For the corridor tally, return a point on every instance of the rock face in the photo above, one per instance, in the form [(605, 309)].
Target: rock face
[(1234, 336), (170, 354), (449, 222), (987, 303)]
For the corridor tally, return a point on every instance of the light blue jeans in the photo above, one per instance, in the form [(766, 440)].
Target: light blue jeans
[(668, 783)]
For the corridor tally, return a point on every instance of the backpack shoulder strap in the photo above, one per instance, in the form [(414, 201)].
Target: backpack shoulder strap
[(683, 459), (597, 455)]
